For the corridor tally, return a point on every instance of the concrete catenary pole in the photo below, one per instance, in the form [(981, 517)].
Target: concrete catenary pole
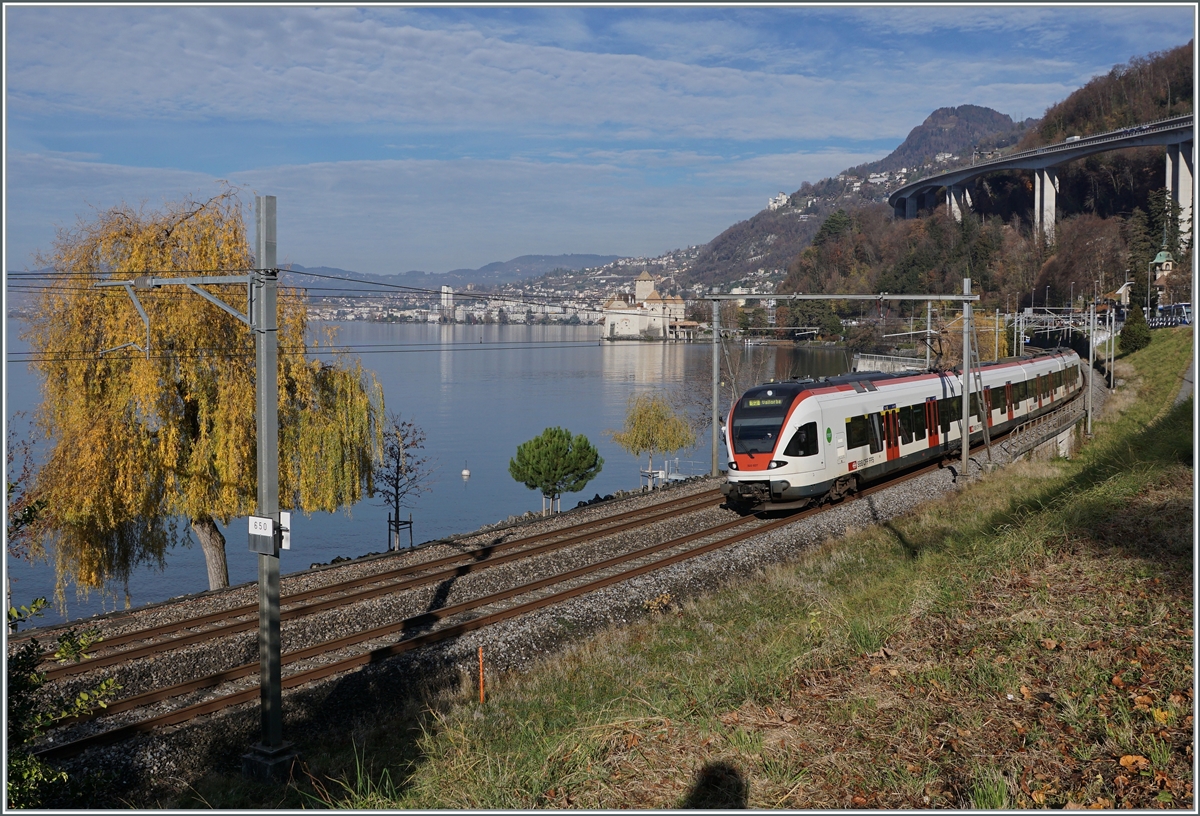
[(716, 378), (265, 758), (965, 390), (1091, 362), (1111, 347), (928, 330)]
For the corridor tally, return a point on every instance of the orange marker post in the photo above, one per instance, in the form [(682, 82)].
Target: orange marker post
[(481, 675)]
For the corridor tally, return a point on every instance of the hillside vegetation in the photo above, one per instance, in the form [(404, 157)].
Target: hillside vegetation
[(1156, 86), (1113, 211), (1122, 189), (957, 131)]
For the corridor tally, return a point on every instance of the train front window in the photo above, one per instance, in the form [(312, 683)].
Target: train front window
[(757, 420), (803, 442)]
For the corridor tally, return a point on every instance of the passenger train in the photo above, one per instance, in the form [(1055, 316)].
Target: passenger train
[(801, 442)]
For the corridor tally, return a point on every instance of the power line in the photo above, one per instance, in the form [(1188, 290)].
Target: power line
[(351, 349), (433, 293)]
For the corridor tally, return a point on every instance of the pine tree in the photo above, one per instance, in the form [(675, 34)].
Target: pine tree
[(555, 463), (1135, 334)]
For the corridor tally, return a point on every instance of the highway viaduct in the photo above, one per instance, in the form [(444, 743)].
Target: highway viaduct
[(1175, 133)]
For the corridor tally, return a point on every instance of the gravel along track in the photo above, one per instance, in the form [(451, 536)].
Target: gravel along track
[(354, 697)]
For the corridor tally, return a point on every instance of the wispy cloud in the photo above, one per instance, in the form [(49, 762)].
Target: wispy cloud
[(440, 137)]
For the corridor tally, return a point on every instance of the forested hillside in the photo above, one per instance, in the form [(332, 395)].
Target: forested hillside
[(771, 239), (1112, 209), (1144, 89), (957, 131)]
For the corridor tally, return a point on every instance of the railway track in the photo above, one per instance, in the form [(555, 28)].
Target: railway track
[(417, 631), (238, 685), (177, 634)]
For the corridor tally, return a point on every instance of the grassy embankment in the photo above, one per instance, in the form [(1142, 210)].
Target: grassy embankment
[(1026, 642)]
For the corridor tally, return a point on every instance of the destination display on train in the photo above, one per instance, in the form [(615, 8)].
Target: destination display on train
[(764, 402)]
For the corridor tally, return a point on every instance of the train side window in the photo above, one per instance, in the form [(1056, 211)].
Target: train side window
[(918, 421), (906, 436), (803, 442), (949, 411), (975, 404), (876, 424), (856, 432)]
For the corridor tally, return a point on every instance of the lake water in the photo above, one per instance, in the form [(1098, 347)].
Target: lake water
[(477, 392)]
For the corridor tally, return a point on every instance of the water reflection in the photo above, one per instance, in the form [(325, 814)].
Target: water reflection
[(646, 363)]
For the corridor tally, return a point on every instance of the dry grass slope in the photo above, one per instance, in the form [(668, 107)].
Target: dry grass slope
[(1024, 643)]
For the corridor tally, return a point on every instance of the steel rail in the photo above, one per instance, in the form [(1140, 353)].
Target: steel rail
[(461, 565), (659, 509), (158, 695), (381, 653)]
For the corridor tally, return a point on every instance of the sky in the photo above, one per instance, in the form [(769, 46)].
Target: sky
[(435, 138)]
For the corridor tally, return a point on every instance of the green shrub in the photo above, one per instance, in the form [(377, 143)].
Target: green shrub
[(30, 779), (1136, 334)]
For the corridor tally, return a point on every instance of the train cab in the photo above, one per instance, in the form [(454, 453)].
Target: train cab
[(773, 436)]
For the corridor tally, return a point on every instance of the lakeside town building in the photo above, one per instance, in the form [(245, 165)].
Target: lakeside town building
[(647, 314)]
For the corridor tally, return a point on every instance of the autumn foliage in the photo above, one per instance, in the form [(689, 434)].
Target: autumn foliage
[(141, 437)]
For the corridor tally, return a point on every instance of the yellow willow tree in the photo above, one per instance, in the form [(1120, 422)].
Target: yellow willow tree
[(140, 441), (652, 426)]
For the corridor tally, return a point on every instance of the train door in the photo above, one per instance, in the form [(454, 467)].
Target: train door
[(1008, 398), (932, 421), (987, 404), (1041, 389), (891, 432)]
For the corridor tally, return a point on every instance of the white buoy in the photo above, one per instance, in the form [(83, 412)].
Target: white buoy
[(466, 474)]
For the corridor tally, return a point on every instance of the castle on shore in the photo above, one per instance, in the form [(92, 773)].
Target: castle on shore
[(647, 315)]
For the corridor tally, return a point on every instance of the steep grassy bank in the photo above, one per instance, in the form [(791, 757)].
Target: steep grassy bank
[(1026, 642)]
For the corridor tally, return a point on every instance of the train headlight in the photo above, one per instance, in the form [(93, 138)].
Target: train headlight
[(776, 463), (733, 466)]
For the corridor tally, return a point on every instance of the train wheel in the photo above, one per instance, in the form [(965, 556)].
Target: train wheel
[(843, 487)]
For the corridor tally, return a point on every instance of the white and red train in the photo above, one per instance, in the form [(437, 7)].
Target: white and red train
[(796, 443)]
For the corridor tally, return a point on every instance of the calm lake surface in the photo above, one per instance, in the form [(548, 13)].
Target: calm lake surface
[(478, 392)]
